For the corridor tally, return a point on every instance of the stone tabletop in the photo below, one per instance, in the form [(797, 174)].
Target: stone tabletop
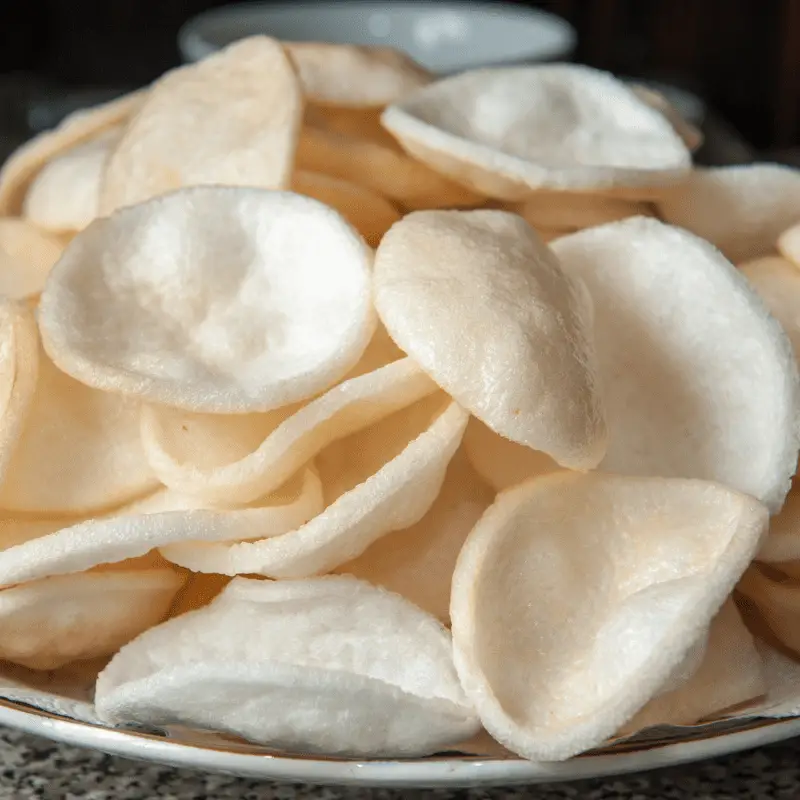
[(31, 768)]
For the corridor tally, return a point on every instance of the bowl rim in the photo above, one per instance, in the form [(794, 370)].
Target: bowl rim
[(194, 45)]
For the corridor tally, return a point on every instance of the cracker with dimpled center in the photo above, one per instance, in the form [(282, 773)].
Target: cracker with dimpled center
[(162, 320), (506, 132), (332, 665), (576, 596)]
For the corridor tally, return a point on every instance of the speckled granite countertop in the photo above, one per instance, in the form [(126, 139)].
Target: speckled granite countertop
[(36, 768)]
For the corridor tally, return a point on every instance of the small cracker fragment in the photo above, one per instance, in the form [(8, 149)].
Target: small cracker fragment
[(80, 450), (16, 529), (778, 601), (418, 562), (369, 213), (777, 282), (65, 194), (361, 123), (49, 623), (789, 244), (354, 76), (572, 211), (548, 235), (380, 167), (741, 209), (79, 127), (231, 119), (19, 371), (501, 462), (199, 591), (783, 540), (691, 135), (27, 254)]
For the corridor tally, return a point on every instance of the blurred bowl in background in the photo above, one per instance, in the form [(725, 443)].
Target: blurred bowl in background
[(444, 37)]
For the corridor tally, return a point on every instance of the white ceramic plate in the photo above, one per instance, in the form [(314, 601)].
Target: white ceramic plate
[(442, 36), (215, 753)]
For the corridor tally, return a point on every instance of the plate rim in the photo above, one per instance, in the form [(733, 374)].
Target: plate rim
[(443, 772)]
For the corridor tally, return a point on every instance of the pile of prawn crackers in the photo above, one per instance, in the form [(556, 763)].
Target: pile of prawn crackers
[(349, 411)]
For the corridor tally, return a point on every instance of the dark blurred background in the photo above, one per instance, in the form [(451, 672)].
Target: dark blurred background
[(741, 56)]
